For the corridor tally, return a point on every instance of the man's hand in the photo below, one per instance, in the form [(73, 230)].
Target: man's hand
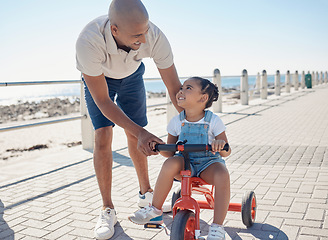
[(146, 142)]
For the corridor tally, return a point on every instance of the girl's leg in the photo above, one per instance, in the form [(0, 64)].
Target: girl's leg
[(171, 168), (218, 175)]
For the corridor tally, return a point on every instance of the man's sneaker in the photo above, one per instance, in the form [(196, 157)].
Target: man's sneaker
[(216, 232), (148, 214), (105, 226), (145, 199)]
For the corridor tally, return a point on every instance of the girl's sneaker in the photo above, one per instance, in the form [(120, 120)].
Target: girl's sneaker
[(148, 214), (216, 232)]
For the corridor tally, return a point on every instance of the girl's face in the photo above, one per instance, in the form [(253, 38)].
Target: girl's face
[(190, 94)]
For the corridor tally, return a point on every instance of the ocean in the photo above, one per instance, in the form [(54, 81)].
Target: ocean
[(15, 94)]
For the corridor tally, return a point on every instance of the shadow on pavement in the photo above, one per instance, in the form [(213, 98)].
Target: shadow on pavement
[(257, 231), (44, 174), (5, 231), (119, 233), (48, 192), (122, 160), (118, 158), (261, 231), (265, 106)]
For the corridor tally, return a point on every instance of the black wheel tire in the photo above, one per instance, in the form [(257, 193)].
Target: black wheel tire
[(248, 204), (183, 226), (175, 196)]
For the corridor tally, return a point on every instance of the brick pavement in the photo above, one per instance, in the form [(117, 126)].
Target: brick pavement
[(279, 151)]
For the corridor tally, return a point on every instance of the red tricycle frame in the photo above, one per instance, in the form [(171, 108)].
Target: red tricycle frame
[(186, 209)]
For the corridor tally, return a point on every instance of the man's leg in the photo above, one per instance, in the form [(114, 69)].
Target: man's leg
[(103, 162), (140, 163), (131, 97)]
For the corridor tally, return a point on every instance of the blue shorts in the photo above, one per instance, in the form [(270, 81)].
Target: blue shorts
[(198, 168), (130, 96), (200, 161)]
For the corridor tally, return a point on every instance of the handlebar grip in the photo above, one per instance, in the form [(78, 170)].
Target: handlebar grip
[(225, 148), (166, 147)]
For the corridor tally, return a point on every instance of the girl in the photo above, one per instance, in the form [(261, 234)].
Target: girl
[(197, 126)]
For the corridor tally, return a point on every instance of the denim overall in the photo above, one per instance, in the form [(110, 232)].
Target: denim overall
[(197, 133)]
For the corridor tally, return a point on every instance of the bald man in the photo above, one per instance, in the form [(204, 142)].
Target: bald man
[(109, 53)]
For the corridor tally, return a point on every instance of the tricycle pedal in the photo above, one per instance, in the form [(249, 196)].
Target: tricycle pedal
[(157, 225), (152, 225)]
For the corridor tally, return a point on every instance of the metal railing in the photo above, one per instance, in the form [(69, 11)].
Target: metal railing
[(65, 119), (7, 84), (4, 129)]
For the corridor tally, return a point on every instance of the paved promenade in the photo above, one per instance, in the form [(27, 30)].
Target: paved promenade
[(279, 150)]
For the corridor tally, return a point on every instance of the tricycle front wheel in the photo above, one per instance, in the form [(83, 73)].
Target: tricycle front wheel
[(183, 226)]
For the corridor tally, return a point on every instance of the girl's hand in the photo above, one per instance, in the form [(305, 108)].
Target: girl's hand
[(217, 145)]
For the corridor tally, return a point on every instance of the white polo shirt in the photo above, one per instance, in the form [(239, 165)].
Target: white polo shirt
[(97, 52)]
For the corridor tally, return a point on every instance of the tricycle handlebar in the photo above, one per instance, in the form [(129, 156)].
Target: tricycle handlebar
[(186, 147)]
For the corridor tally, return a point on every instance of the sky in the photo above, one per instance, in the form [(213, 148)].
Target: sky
[(38, 36)]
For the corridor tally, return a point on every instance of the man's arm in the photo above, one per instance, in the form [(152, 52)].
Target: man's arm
[(172, 83), (98, 88)]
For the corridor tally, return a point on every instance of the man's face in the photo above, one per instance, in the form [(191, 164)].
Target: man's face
[(130, 35)]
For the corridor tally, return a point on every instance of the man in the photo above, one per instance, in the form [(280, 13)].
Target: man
[(109, 51)]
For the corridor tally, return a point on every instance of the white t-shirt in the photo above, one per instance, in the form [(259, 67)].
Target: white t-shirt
[(97, 52), (216, 126)]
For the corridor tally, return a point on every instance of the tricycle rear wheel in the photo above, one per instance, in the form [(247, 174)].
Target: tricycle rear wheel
[(248, 209), (175, 196)]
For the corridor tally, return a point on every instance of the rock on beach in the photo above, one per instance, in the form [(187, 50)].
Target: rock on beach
[(53, 107)]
